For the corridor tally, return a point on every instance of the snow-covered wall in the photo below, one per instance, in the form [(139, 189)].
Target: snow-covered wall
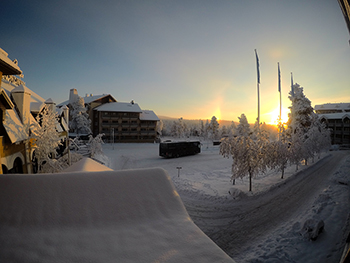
[(110, 216)]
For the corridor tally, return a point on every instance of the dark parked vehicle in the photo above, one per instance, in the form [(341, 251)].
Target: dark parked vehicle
[(170, 149)]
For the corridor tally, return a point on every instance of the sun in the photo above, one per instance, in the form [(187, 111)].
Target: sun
[(274, 116)]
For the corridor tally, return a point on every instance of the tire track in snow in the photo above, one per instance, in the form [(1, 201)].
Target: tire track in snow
[(236, 224)]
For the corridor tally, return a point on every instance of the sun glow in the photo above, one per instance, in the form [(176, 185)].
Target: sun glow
[(274, 116), (217, 114)]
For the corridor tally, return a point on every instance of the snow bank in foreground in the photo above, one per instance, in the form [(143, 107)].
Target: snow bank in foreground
[(109, 216)]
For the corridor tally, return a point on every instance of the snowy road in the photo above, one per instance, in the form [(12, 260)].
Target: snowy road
[(263, 226), (237, 225)]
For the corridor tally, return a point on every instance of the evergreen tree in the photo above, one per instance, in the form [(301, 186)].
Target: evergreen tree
[(46, 140), (300, 119), (214, 128), (80, 122)]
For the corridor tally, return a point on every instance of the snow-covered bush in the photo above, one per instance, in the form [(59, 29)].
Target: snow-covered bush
[(95, 149)]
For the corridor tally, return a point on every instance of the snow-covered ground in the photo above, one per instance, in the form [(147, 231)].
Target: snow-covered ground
[(203, 182)]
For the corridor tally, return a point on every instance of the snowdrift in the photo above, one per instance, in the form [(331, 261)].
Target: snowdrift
[(87, 165), (106, 216)]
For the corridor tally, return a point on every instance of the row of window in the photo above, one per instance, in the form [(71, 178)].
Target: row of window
[(346, 120), (119, 114), (108, 130), (129, 138), (119, 122)]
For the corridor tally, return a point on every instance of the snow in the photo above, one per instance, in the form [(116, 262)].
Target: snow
[(14, 127), (9, 87), (332, 116), (119, 107), (333, 106), (73, 217), (86, 165), (9, 67), (110, 216), (36, 106), (148, 115), (204, 181)]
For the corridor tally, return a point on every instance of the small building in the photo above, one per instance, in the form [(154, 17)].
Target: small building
[(336, 116)]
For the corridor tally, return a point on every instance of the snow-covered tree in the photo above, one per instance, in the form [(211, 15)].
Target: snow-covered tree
[(246, 153), (46, 140), (281, 153), (224, 131), (95, 149), (214, 128), (300, 119), (317, 137), (178, 128), (80, 122), (231, 131), (160, 126), (95, 145)]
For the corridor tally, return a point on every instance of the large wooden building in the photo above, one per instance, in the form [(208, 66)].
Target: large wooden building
[(125, 122), (118, 121)]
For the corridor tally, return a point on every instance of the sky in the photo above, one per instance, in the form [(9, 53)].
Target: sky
[(190, 59)]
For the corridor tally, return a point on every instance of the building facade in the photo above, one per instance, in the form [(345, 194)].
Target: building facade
[(336, 117), (125, 122), (118, 121)]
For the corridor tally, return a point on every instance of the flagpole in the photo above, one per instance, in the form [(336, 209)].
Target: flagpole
[(279, 89), (291, 83), (258, 85)]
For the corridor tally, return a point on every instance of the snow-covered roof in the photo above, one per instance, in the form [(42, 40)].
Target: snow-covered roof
[(14, 127), (119, 107), (333, 106), (109, 216), (36, 107), (7, 66), (87, 99), (335, 116), (8, 87), (87, 165), (148, 115), (91, 98), (5, 99)]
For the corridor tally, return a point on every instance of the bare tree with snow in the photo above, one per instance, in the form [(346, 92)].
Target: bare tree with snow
[(281, 152), (247, 153)]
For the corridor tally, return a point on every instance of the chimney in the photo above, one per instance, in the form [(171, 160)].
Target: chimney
[(65, 110), (21, 96), (73, 94)]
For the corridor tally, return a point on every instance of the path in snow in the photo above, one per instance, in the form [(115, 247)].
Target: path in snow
[(234, 227)]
